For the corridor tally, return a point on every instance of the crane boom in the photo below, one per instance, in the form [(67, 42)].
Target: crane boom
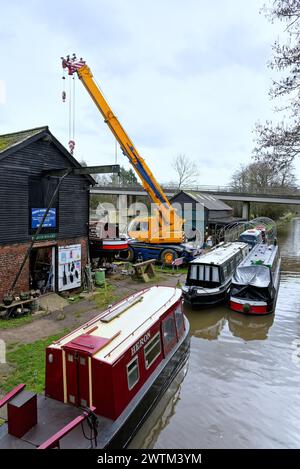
[(168, 220)]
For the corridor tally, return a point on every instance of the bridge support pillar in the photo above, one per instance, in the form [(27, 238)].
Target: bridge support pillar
[(123, 213), (246, 210), (131, 199)]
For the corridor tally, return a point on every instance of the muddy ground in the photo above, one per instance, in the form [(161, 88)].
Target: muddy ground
[(76, 314)]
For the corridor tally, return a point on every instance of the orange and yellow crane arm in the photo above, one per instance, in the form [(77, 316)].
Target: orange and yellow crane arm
[(149, 182)]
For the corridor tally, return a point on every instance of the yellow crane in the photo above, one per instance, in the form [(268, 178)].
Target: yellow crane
[(166, 227)]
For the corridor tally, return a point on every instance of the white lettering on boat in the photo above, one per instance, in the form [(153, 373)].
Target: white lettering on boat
[(140, 343)]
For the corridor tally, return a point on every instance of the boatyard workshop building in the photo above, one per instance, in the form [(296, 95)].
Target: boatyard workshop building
[(203, 212), (60, 251)]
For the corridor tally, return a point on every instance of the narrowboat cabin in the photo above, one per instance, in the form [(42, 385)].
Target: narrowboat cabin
[(255, 283), (209, 275), (252, 237), (118, 364)]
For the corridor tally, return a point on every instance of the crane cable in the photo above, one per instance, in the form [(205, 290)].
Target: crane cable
[(73, 116), (71, 109)]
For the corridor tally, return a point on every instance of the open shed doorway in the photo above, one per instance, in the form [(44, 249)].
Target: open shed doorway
[(42, 269)]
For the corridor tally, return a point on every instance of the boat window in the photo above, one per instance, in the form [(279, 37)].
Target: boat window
[(193, 272), (152, 350), (207, 273), (215, 274), (179, 321), (169, 333), (133, 374), (204, 275), (226, 271)]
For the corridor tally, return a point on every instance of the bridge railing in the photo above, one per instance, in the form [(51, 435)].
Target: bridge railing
[(212, 188)]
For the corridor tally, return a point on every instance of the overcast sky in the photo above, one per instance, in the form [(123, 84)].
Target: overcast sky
[(183, 76)]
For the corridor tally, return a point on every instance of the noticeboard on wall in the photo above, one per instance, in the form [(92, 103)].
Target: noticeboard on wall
[(37, 215), (69, 267)]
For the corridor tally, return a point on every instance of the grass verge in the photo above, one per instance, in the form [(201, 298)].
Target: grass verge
[(169, 270), (15, 322), (28, 363), (106, 295)]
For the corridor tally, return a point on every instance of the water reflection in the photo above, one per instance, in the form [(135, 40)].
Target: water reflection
[(242, 387), (206, 324), (209, 324), (250, 327), (161, 415)]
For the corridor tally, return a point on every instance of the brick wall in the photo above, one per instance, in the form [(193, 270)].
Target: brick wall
[(12, 255)]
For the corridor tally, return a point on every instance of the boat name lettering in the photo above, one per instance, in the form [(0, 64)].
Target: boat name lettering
[(140, 343)]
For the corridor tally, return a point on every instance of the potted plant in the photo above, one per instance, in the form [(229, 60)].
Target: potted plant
[(8, 299), (24, 296)]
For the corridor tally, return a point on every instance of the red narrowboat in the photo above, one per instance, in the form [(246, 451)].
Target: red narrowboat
[(118, 364)]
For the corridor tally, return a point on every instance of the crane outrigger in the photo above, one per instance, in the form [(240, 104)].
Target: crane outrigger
[(160, 236)]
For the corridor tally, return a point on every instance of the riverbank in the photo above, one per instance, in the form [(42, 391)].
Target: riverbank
[(282, 222)]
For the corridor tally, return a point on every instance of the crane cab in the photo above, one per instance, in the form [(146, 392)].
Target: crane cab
[(147, 229)]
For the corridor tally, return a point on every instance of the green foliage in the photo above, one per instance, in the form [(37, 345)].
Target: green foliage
[(126, 178), (106, 296), (28, 362), (15, 322)]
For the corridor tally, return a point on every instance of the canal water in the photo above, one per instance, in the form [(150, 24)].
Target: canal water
[(240, 388)]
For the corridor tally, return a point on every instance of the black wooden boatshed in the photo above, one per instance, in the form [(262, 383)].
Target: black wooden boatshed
[(60, 251)]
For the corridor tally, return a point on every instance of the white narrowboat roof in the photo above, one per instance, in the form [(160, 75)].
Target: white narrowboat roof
[(220, 254), (125, 322)]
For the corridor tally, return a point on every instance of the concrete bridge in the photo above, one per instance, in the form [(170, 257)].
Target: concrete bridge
[(268, 196)]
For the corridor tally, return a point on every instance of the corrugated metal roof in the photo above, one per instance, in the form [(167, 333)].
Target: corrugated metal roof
[(9, 140), (209, 201)]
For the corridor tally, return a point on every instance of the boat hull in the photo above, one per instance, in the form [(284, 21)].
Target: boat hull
[(206, 299), (251, 308), (117, 434), (128, 424)]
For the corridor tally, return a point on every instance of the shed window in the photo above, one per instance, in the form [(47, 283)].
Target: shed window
[(169, 333), (152, 350), (133, 374), (40, 192)]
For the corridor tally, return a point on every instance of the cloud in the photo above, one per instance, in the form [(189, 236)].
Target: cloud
[(2, 92), (183, 77)]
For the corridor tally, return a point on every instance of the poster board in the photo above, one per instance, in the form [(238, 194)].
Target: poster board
[(69, 267)]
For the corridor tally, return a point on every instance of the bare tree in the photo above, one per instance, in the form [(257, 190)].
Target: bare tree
[(261, 177), (186, 170), (280, 143)]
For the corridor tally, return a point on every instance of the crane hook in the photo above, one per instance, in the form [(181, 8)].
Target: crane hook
[(71, 146)]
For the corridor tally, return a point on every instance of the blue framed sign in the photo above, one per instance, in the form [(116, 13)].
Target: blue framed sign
[(37, 216)]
